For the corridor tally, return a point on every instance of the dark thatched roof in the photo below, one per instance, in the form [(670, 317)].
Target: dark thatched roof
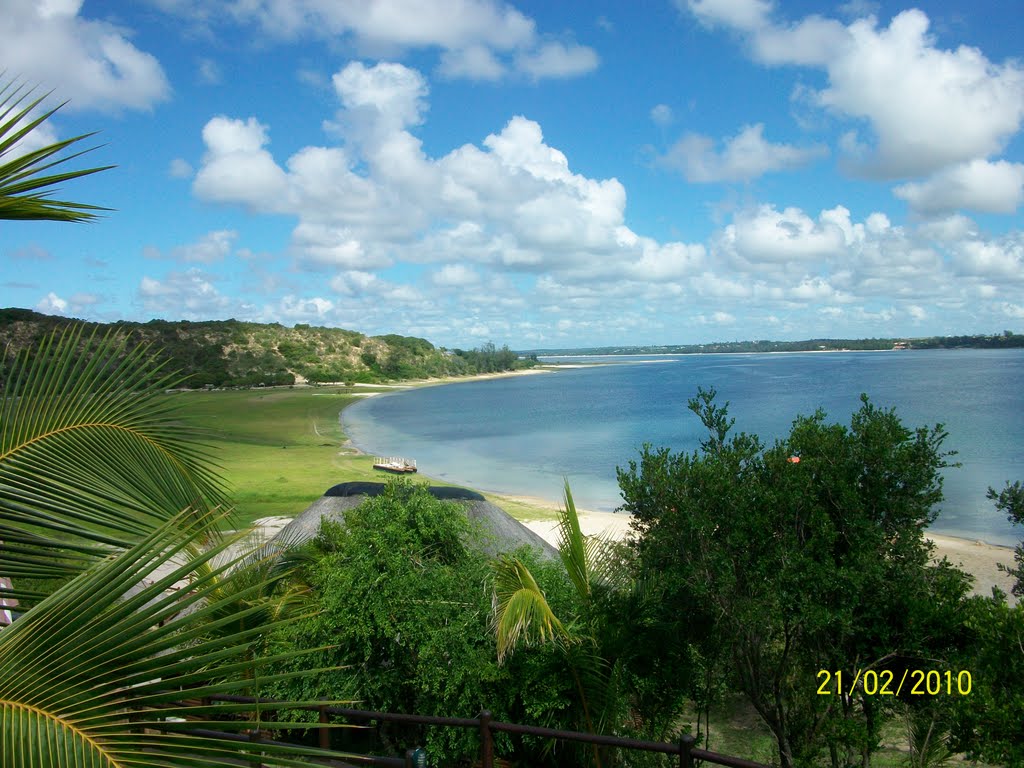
[(500, 532)]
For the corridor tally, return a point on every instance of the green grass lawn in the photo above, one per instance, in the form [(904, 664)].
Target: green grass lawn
[(277, 449)]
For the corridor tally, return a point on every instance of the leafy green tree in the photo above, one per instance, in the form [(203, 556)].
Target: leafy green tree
[(988, 724), (403, 600), (802, 557), (1011, 501)]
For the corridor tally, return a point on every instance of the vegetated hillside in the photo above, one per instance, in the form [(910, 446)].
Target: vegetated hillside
[(226, 353)]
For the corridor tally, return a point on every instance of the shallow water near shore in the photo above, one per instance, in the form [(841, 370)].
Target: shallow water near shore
[(522, 435)]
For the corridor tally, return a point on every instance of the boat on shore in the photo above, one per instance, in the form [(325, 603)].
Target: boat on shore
[(395, 464)]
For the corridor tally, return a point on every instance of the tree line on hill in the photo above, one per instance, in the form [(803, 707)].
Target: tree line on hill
[(230, 353)]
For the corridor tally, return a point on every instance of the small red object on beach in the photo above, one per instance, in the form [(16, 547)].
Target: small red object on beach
[(793, 459)]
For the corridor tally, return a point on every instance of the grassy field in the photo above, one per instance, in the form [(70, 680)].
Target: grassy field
[(277, 449)]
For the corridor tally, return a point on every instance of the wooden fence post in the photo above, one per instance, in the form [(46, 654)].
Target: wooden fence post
[(686, 742), (486, 740), (323, 732)]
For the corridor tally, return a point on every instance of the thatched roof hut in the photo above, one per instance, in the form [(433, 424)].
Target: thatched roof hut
[(500, 532)]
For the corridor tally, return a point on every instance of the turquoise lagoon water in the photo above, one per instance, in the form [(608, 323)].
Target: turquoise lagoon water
[(522, 435)]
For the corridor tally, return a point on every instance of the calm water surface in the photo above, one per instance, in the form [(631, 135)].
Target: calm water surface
[(524, 434)]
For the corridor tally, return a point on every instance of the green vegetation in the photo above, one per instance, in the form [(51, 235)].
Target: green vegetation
[(987, 725), (90, 458), (774, 563), (403, 601), (278, 449), (105, 503), (749, 573), (1010, 501), (584, 636), (229, 353), (25, 180)]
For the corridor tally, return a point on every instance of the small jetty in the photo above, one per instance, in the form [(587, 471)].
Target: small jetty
[(395, 464)]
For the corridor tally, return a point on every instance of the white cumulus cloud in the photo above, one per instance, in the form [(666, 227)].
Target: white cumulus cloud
[(476, 39), (554, 59), (978, 185), (188, 295), (927, 107), (513, 201), (237, 168), (744, 157), (52, 304), (87, 60)]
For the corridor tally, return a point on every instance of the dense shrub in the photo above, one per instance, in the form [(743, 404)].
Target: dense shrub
[(404, 600)]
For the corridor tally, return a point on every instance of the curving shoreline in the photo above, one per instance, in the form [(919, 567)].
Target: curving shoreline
[(978, 558)]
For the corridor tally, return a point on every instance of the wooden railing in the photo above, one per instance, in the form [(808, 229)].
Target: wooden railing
[(486, 727)]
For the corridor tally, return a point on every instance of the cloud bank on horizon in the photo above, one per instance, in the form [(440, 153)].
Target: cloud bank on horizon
[(588, 174)]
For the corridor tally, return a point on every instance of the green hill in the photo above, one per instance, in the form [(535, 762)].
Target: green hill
[(230, 353)]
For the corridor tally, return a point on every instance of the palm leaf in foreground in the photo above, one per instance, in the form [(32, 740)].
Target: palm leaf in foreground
[(522, 615), (94, 675), (25, 177), (91, 457), (521, 611), (591, 562)]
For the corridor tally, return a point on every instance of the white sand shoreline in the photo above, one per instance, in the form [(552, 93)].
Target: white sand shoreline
[(977, 558)]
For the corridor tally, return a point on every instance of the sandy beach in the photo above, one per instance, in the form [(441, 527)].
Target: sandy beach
[(975, 557)]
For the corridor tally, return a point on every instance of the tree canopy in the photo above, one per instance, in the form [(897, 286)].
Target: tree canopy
[(800, 557)]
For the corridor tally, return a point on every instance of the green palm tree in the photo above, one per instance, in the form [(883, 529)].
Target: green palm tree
[(25, 177), (91, 456), (105, 495), (96, 674), (523, 616)]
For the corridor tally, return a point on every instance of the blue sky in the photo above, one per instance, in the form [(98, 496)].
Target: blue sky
[(534, 173)]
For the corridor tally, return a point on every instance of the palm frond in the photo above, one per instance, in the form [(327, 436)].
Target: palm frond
[(599, 684), (91, 456), (96, 673), (589, 560), (521, 611), (572, 545), (927, 739), (265, 578), (24, 178)]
